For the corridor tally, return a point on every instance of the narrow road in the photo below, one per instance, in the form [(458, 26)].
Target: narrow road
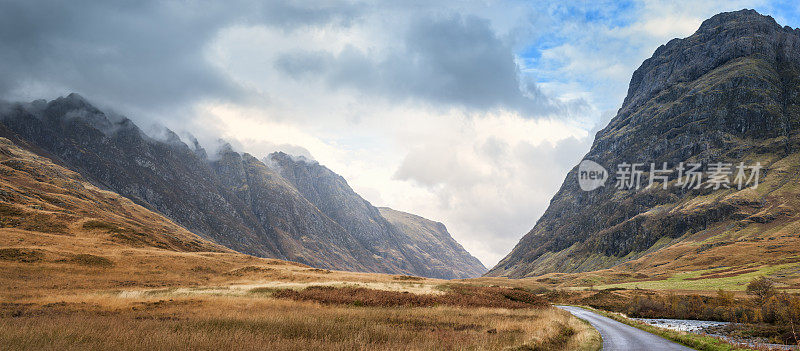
[(620, 336)]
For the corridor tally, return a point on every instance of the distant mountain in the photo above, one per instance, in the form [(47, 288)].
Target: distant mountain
[(729, 93), (425, 236), (399, 245), (231, 198), (302, 232)]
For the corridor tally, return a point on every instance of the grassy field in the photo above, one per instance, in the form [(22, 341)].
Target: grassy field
[(259, 312), (258, 323), (705, 280), (80, 291)]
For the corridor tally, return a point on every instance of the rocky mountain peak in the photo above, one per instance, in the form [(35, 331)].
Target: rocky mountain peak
[(197, 148), (74, 106), (720, 39), (73, 100), (283, 157)]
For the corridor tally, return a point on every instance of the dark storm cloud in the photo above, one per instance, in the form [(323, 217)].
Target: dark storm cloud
[(143, 53), (286, 15), (450, 60)]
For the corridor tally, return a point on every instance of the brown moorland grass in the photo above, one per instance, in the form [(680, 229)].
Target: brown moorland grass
[(462, 296), (56, 292), (249, 323)]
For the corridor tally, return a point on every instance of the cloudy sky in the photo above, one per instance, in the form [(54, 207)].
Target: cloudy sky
[(468, 113)]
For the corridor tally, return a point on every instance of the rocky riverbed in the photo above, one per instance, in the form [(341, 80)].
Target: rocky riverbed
[(725, 330)]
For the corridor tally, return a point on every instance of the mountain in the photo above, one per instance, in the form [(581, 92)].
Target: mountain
[(60, 234), (406, 248), (729, 93), (396, 244), (426, 236), (230, 198)]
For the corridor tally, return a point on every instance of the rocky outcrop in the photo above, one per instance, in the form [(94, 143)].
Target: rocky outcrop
[(728, 93), (302, 231)]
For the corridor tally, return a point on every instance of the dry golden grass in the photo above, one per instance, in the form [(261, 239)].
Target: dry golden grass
[(150, 298), (252, 323), (158, 299)]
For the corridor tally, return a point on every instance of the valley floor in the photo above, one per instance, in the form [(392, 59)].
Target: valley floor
[(62, 292), (259, 323)]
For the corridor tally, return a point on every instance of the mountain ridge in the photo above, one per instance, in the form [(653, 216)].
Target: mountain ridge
[(231, 198)]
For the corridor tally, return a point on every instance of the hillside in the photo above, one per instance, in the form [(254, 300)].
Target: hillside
[(164, 176), (54, 222), (303, 232), (728, 93), (37, 195), (424, 235), (230, 198)]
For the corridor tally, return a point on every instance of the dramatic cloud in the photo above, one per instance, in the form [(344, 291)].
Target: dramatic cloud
[(447, 60), (133, 54), (469, 113)]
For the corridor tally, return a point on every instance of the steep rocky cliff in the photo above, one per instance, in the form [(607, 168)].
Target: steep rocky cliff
[(309, 215), (303, 232), (728, 93), (331, 194)]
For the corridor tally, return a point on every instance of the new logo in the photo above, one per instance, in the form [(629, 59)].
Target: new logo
[(591, 175)]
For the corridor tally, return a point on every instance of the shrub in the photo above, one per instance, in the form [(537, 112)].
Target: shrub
[(762, 289)]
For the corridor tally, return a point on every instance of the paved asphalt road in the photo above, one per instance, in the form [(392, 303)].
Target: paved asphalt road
[(622, 337)]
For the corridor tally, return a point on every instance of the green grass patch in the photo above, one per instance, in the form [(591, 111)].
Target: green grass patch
[(686, 280), (264, 290)]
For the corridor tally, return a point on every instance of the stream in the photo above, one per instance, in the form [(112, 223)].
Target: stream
[(707, 327)]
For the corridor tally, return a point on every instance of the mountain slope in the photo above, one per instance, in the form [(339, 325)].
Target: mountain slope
[(39, 196), (163, 176), (426, 236), (232, 199), (330, 193), (303, 232), (728, 93)]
